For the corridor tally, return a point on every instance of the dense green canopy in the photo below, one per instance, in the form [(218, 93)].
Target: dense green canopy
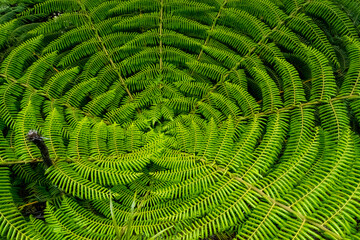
[(180, 119)]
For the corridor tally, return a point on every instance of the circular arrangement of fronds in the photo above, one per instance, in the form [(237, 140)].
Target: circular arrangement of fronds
[(182, 120)]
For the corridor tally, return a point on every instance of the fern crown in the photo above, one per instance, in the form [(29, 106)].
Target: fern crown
[(180, 119)]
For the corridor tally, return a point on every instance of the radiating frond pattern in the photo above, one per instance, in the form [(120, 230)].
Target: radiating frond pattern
[(198, 119)]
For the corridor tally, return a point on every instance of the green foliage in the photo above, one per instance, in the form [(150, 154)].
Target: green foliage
[(211, 119)]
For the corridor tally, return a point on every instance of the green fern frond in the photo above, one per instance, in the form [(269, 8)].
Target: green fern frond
[(181, 41), (30, 175), (36, 73), (336, 18), (135, 22), (226, 106), (187, 7), (228, 58), (103, 176), (350, 85), (64, 21), (304, 26), (100, 10), (24, 149), (193, 88), (13, 65), (209, 70), (226, 139), (70, 38), (269, 52), (84, 49), (53, 131), (79, 140), (134, 5), (339, 121), (95, 63), (53, 6), (241, 43), (121, 114), (342, 206), (131, 161), (197, 183), (288, 40), (66, 227), (100, 103), (77, 94), (209, 112), (184, 25), (292, 86), (244, 148), (297, 228), (67, 179), (323, 80), (9, 104), (327, 172), (270, 92), (253, 168), (5, 29), (59, 82), (7, 153), (172, 159), (44, 230), (183, 104), (245, 101), (266, 9), (245, 23), (13, 224), (272, 217), (289, 172), (236, 204)]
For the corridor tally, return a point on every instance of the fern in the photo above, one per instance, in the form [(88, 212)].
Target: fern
[(211, 119)]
